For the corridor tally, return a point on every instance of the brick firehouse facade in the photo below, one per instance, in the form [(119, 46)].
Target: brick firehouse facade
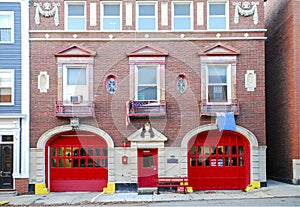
[(125, 92)]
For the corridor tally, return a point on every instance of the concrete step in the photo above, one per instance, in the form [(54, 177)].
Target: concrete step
[(147, 191)]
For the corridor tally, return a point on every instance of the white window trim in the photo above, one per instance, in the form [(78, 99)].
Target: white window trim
[(226, 13), (11, 13), (67, 3), (228, 83), (157, 66), (155, 15), (102, 13), (191, 14), (65, 80), (11, 71)]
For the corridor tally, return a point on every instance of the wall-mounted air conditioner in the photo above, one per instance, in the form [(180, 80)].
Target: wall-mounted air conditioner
[(77, 99)]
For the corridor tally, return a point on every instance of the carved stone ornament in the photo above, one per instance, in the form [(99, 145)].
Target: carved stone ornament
[(246, 10), (43, 82), (147, 137), (250, 80), (47, 12)]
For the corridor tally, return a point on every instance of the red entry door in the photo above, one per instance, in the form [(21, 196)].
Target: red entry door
[(147, 168)]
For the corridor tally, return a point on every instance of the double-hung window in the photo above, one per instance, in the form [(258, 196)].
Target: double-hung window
[(217, 15), (75, 83), (75, 16), (6, 27), (218, 87), (218, 80), (146, 16), (182, 18), (6, 87), (111, 16), (147, 82)]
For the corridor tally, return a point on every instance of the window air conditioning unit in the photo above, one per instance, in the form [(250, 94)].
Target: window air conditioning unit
[(76, 99)]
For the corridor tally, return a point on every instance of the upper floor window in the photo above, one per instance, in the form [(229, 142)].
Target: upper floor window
[(111, 16), (147, 82), (6, 87), (75, 16), (6, 27), (182, 18), (146, 16), (75, 84), (217, 15), (218, 87), (147, 87), (218, 80)]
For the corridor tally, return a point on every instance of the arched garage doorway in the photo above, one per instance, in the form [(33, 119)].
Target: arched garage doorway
[(76, 161), (218, 160)]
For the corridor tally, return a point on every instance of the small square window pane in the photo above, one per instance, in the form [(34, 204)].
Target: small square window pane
[(182, 9), (76, 76), (182, 23), (5, 95), (146, 10), (5, 35), (76, 24), (146, 24), (111, 23), (217, 93), (217, 9), (193, 150), (111, 10), (104, 152), (217, 23), (76, 10), (217, 74), (147, 93), (147, 76), (147, 161)]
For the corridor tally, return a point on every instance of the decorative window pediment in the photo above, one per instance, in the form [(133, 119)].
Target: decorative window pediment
[(147, 50), (220, 49), (147, 82), (218, 80), (76, 51), (75, 82)]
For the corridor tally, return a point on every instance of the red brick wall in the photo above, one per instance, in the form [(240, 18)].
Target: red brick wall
[(282, 69), (182, 109), (21, 185)]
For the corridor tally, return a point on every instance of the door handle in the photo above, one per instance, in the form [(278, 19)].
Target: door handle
[(1, 174)]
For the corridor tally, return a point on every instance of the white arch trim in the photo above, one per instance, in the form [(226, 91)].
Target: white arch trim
[(50, 133), (248, 134)]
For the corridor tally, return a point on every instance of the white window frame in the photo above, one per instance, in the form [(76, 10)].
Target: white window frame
[(11, 85), (153, 66), (190, 16), (103, 17), (67, 15), (228, 83), (155, 15), (66, 88), (11, 14), (210, 2)]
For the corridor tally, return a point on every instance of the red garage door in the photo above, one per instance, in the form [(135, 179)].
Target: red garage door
[(76, 161), (219, 161)]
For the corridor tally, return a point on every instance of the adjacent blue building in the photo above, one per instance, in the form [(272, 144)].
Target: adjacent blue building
[(14, 96)]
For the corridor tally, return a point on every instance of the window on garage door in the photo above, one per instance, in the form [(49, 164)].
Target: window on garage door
[(78, 157)]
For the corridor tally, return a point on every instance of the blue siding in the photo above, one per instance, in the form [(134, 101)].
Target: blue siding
[(11, 57)]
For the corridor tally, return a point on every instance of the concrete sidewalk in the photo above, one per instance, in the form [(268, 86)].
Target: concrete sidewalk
[(274, 189)]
